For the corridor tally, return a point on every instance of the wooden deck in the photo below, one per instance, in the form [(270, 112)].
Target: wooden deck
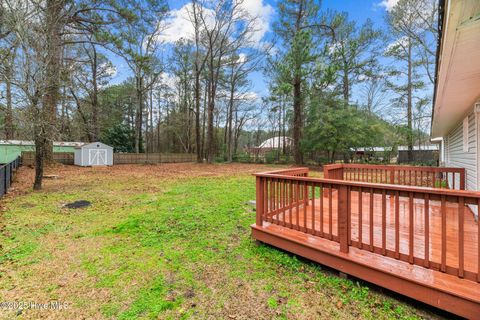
[(424, 249)]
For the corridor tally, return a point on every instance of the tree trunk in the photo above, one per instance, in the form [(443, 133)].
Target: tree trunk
[(229, 122), (95, 96), (409, 104), (39, 138), (53, 65), (197, 115), (346, 87), (204, 119), (138, 114), (210, 135), (9, 129), (151, 120), (284, 149), (297, 119), (39, 156), (198, 69)]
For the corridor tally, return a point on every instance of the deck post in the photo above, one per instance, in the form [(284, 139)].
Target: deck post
[(343, 218), (259, 201), (462, 179)]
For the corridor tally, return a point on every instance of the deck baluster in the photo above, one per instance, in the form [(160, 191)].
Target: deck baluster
[(330, 213), (290, 202), (342, 217), (384, 223), (371, 219), (397, 225), (321, 210), (313, 208), (305, 186), (297, 203), (410, 227), (443, 210), (427, 231), (461, 208), (360, 218)]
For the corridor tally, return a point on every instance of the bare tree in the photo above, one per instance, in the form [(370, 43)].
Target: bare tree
[(409, 48), (90, 71), (232, 28)]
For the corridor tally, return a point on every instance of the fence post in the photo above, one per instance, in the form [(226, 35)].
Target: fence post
[(342, 223), (259, 201)]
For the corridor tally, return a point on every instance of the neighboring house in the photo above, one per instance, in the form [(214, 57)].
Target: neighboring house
[(11, 149), (275, 143), (456, 105)]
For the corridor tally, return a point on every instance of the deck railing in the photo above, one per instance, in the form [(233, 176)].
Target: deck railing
[(432, 228), (432, 177)]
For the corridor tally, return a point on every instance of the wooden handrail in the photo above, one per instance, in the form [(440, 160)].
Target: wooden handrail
[(292, 199), (435, 177)]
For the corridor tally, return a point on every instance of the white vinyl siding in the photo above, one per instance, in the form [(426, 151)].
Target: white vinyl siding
[(457, 157), (465, 134)]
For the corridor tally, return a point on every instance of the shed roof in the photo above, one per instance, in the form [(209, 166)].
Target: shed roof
[(85, 145), (32, 143)]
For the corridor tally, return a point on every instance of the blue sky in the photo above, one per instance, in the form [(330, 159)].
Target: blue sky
[(358, 10)]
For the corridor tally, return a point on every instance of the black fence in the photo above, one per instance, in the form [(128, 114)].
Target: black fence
[(7, 172)]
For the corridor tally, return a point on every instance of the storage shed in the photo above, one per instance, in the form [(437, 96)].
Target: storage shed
[(94, 154)]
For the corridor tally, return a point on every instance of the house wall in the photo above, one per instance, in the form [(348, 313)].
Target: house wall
[(457, 157)]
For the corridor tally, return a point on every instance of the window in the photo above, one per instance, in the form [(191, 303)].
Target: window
[(465, 134)]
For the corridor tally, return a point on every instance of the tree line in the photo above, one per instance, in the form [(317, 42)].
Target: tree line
[(333, 84)]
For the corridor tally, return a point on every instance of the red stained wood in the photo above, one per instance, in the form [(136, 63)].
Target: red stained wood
[(428, 228), (404, 175), (440, 246), (444, 291)]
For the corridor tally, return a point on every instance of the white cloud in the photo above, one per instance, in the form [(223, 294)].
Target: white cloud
[(263, 13), (388, 4), (242, 58), (178, 24)]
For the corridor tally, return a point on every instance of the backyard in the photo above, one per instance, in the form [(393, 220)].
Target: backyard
[(164, 241)]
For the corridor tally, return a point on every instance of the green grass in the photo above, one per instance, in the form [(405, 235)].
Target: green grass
[(181, 250)]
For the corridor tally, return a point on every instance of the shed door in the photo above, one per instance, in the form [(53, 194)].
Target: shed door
[(97, 157)]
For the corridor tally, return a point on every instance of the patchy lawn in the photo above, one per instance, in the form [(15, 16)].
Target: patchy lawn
[(166, 241)]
